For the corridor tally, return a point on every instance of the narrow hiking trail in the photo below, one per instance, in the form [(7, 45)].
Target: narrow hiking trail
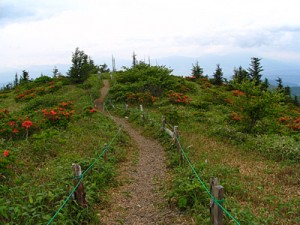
[(140, 197)]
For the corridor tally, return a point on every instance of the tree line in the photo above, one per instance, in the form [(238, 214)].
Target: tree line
[(83, 66)]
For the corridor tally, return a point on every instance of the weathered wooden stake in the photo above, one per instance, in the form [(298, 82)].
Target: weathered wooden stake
[(175, 140), (175, 134), (126, 107), (216, 213), (111, 104), (79, 194), (105, 153), (144, 118), (163, 123), (141, 108)]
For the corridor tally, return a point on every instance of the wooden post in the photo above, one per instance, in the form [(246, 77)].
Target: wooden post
[(175, 134), (216, 213), (163, 123), (151, 123), (141, 108), (126, 107), (105, 153), (175, 137), (79, 193), (111, 104), (143, 117)]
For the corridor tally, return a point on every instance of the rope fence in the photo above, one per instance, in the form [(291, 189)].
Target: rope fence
[(215, 192), (79, 177)]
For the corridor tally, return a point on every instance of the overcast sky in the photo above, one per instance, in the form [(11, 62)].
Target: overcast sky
[(46, 32)]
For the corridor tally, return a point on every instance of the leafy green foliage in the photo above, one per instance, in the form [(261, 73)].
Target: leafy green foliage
[(222, 128), (35, 162), (142, 78), (254, 104)]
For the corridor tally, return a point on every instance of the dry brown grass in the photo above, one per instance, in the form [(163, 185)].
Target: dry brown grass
[(266, 184)]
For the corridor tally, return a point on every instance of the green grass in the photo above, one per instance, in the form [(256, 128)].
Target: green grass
[(259, 170), (41, 175)]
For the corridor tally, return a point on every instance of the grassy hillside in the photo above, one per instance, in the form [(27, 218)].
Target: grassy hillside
[(45, 127), (245, 136)]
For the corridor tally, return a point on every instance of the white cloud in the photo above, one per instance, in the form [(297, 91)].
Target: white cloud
[(50, 30)]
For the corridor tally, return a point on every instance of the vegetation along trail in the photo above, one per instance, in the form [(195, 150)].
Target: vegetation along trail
[(141, 200)]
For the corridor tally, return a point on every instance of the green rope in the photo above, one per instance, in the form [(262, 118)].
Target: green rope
[(202, 183), (107, 110), (218, 202), (81, 178)]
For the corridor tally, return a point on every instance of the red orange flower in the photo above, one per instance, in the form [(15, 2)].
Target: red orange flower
[(15, 130), (92, 110), (6, 153), (52, 112), (12, 123), (26, 124)]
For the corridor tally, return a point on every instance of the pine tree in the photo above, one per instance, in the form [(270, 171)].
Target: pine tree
[(218, 76), (279, 84), (255, 70), (134, 60), (82, 67), (24, 77), (265, 85), (296, 101), (197, 71), (16, 82), (55, 72), (240, 75)]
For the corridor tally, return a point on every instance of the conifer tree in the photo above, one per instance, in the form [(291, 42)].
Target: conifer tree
[(24, 77), (197, 71), (279, 84), (240, 75), (255, 70), (82, 67), (218, 76), (16, 82)]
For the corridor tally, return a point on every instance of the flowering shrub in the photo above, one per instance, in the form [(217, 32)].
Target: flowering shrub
[(229, 101), (235, 117), (26, 125), (13, 127), (292, 123), (140, 98), (6, 162), (25, 96), (32, 93), (89, 111), (175, 97), (237, 93), (60, 115), (4, 113)]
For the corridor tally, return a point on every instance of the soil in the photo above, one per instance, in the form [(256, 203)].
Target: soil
[(140, 197)]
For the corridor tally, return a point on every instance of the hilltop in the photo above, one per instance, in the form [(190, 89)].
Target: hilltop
[(240, 132)]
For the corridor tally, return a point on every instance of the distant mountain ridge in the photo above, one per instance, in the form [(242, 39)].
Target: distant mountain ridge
[(289, 72)]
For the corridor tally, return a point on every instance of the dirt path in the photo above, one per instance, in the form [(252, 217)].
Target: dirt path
[(140, 197)]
